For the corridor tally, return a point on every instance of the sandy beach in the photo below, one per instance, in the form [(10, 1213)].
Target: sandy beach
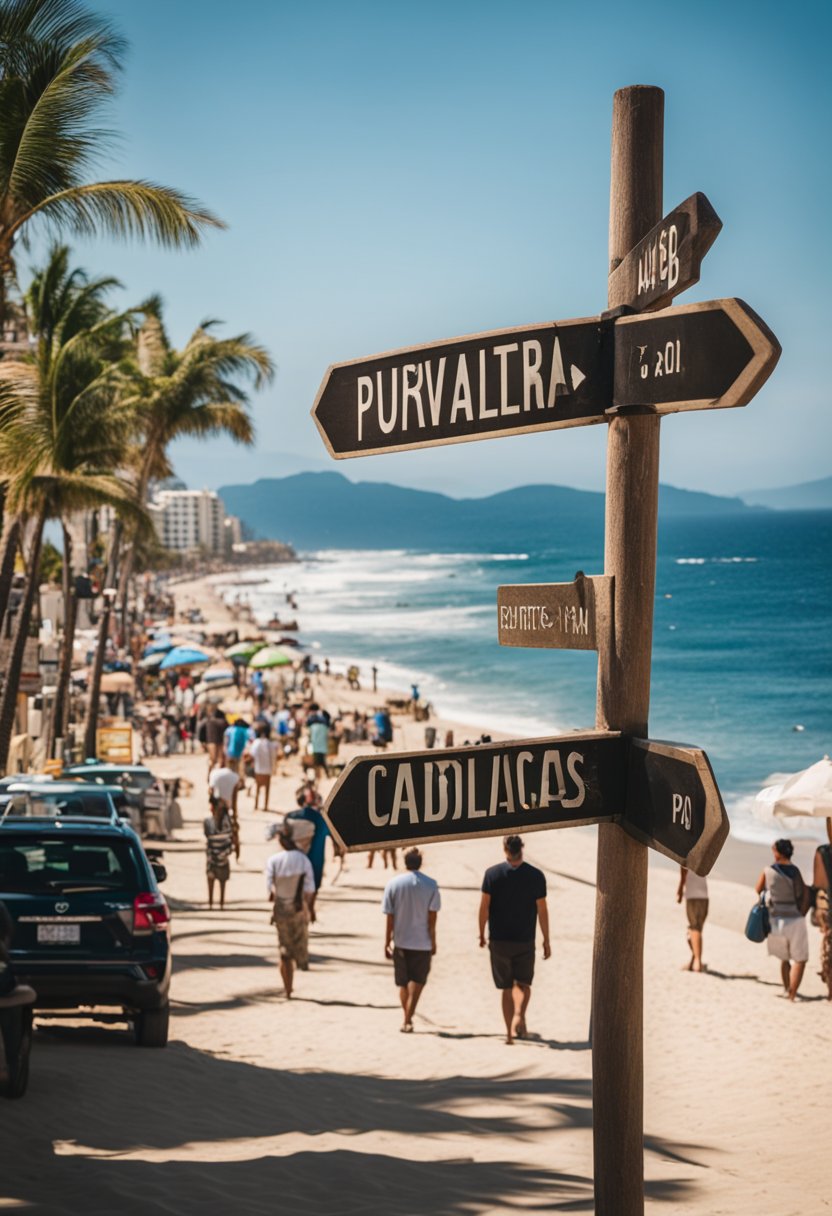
[(319, 1105)]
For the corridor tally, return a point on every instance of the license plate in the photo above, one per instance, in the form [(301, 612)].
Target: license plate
[(66, 935)]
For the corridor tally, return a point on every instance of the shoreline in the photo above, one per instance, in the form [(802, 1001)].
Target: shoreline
[(740, 862)]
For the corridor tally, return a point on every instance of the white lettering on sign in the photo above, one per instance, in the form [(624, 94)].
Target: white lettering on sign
[(450, 789), (659, 263), (399, 395), (682, 810), (665, 361), (564, 619)]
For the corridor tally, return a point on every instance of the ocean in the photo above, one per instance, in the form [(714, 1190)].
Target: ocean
[(742, 642)]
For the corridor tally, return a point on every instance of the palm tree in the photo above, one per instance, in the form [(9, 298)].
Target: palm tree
[(58, 66), (63, 428), (195, 391)]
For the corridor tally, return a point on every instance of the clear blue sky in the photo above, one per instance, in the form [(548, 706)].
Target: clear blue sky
[(394, 174)]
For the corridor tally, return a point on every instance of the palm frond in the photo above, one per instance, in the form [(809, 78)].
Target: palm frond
[(126, 209)]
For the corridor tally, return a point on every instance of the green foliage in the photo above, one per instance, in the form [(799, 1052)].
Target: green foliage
[(51, 563), (59, 64)]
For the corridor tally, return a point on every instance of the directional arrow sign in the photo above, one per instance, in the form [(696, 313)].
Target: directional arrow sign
[(667, 260), (505, 382), (673, 803), (561, 616), (490, 790), (702, 356)]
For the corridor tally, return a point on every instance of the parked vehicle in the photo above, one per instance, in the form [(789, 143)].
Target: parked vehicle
[(92, 928), (145, 793), (44, 799)]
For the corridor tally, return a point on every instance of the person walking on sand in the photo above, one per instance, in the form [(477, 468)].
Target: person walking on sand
[(215, 728), (411, 903), (787, 900), (290, 886), (219, 841), (262, 758), (513, 901), (694, 891), (224, 785), (822, 880)]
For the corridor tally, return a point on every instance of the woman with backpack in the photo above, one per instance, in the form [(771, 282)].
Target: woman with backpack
[(787, 898)]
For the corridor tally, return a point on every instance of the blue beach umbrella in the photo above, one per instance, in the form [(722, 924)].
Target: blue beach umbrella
[(158, 646), (184, 656)]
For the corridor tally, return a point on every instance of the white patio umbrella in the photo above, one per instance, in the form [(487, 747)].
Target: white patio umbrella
[(807, 794)]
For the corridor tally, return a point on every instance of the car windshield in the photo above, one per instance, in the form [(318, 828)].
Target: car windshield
[(41, 803), (62, 863)]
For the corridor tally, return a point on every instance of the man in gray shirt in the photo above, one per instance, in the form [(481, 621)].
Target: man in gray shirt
[(411, 902)]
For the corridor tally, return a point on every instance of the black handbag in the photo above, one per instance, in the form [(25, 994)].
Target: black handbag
[(758, 925)]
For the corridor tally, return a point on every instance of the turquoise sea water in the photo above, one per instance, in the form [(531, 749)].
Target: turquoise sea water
[(742, 649)]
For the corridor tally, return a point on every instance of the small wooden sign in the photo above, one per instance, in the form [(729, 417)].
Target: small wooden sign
[(666, 261), (673, 803), (557, 616), (712, 355)]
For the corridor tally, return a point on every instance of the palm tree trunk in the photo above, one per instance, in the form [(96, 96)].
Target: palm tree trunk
[(90, 734), (59, 711), (8, 553), (11, 682)]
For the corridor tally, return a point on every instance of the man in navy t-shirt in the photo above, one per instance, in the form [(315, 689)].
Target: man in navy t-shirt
[(513, 901)]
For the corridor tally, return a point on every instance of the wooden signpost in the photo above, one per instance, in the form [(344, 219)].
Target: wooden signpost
[(625, 367), (663, 794)]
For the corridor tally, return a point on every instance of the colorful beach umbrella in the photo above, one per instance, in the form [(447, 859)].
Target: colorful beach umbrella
[(151, 661), (158, 646), (184, 656), (218, 671), (241, 652), (271, 656)]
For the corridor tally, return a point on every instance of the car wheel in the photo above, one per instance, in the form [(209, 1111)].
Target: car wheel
[(17, 1036), (151, 1027)]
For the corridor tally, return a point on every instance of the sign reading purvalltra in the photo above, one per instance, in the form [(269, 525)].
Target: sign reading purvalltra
[(545, 377)]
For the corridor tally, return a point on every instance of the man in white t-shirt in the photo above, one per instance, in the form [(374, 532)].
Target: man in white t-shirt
[(694, 891), (223, 784), (262, 759), (290, 885), (411, 902)]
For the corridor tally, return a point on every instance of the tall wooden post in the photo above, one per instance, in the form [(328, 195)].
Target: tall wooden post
[(624, 698)]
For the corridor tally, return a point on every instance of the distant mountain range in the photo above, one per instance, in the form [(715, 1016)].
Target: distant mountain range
[(809, 496), (326, 510)]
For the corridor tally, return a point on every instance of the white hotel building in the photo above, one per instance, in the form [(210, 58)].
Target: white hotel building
[(190, 520)]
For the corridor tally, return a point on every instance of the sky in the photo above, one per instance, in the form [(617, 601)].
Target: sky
[(395, 174)]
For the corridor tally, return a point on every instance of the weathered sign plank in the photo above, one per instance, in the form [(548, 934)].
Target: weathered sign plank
[(487, 790), (559, 616), (667, 260), (712, 355), (673, 803), (505, 382)]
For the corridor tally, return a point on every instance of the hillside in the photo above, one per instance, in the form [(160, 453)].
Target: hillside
[(808, 496), (326, 510)]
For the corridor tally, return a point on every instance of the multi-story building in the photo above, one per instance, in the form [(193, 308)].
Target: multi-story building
[(190, 520)]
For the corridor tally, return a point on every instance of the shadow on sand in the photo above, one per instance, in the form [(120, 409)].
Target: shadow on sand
[(109, 1105)]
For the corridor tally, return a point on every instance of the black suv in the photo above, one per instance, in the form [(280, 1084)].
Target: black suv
[(92, 928)]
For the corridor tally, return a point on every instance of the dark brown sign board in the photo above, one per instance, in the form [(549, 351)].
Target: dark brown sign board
[(545, 377), (663, 794), (667, 260), (504, 382), (486, 790), (558, 616), (674, 804), (713, 355)]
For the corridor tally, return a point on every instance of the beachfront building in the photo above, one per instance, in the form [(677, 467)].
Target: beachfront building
[(189, 521)]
